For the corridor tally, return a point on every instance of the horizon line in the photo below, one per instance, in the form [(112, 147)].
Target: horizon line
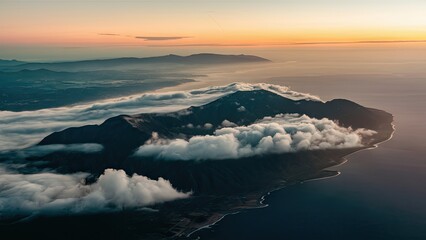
[(287, 43)]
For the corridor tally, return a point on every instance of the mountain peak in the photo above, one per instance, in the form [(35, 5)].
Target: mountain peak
[(242, 108)]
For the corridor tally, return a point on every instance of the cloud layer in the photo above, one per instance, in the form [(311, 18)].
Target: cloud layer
[(42, 150), (22, 129), (50, 193), (146, 38), (279, 134), (167, 38)]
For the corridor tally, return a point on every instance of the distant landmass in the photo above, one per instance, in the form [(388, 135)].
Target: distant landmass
[(10, 63), (24, 90), (197, 59), (32, 86)]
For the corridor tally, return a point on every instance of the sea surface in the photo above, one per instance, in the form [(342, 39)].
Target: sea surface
[(380, 193)]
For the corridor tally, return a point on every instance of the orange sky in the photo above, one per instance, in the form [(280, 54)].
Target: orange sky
[(209, 22), (189, 23)]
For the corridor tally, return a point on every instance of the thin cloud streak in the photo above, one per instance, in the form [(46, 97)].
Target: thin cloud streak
[(108, 34), (361, 42), (167, 38), (286, 43), (146, 38)]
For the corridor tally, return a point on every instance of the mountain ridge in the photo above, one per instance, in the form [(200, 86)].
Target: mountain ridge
[(197, 59), (134, 130)]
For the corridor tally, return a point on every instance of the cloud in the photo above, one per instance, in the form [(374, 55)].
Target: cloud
[(146, 38), (109, 34), (42, 150), (209, 45), (164, 38), (227, 123), (272, 135), (50, 193), (359, 42), (215, 44), (23, 129), (241, 109)]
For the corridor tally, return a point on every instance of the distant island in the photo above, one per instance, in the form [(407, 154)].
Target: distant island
[(280, 140), (32, 86), (197, 59)]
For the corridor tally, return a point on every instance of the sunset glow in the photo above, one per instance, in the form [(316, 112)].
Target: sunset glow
[(208, 23)]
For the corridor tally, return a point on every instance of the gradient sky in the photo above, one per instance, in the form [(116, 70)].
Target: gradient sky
[(35, 24)]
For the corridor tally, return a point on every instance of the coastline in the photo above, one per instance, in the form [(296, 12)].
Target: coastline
[(263, 197), (220, 199)]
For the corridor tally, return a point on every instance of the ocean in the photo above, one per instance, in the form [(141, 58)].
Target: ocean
[(379, 193)]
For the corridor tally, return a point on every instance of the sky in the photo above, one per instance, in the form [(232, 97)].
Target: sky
[(32, 26)]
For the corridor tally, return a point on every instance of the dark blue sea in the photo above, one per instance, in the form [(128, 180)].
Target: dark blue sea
[(380, 193)]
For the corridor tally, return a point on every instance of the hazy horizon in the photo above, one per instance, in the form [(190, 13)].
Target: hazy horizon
[(288, 53), (43, 30)]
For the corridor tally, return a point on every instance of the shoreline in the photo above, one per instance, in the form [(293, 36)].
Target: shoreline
[(308, 166), (264, 196), (187, 227)]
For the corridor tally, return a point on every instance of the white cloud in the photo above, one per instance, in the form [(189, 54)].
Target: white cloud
[(279, 134), (50, 193), (22, 129), (241, 109), (42, 150), (227, 123), (280, 90)]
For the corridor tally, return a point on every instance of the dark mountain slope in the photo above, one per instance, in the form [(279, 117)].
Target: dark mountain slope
[(125, 133), (122, 135), (218, 186)]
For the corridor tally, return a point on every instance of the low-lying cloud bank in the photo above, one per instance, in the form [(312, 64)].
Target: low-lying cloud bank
[(53, 194), (43, 150), (22, 129), (280, 134)]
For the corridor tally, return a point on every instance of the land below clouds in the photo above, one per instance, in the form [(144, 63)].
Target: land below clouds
[(179, 219), (219, 186)]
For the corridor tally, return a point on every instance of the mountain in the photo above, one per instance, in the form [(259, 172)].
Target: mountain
[(197, 59), (122, 135), (218, 187), (10, 63), (38, 74), (133, 131)]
